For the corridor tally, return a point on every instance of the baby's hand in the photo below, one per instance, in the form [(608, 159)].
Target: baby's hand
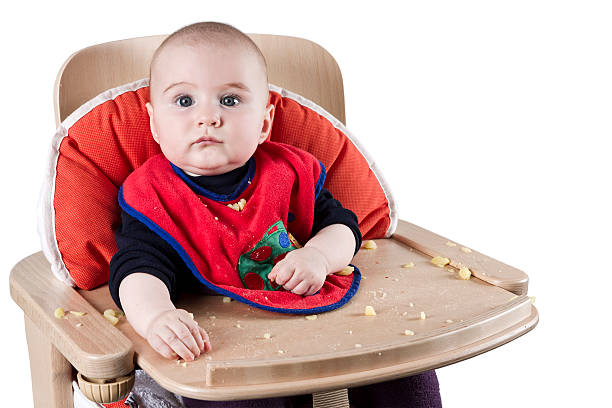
[(174, 333), (303, 271)]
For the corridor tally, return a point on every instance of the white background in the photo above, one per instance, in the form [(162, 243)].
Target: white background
[(491, 123)]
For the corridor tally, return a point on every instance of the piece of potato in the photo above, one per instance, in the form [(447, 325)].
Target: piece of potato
[(369, 311), (346, 271), (440, 261), (464, 273), (59, 313), (369, 244)]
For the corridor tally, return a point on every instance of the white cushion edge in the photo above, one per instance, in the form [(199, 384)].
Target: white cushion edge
[(46, 211)]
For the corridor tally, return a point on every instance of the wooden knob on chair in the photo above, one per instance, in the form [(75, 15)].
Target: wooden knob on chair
[(105, 391)]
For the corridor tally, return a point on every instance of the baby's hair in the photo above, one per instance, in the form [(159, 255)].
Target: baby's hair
[(212, 33)]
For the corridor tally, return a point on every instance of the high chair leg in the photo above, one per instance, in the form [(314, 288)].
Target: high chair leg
[(331, 399), (51, 372)]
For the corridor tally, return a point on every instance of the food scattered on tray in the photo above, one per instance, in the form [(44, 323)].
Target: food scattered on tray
[(369, 244), (346, 271), (59, 313), (77, 313), (464, 273), (113, 315), (440, 261)]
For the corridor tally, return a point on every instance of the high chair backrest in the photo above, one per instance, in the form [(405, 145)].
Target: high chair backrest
[(293, 63)]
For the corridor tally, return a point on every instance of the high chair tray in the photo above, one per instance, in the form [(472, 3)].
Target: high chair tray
[(341, 348)]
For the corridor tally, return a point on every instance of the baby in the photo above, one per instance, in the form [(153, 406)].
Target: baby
[(210, 114)]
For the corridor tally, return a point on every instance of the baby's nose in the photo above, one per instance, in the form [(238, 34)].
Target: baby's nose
[(213, 121), (209, 117)]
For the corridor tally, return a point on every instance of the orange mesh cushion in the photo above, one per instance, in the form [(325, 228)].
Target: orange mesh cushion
[(114, 138)]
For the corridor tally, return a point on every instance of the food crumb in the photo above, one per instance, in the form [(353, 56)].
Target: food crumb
[(346, 271), (408, 333), (369, 244), (212, 317), (78, 313), (79, 324), (311, 317), (532, 299), (422, 316), (357, 345), (450, 244), (111, 316), (267, 336), (408, 265), (184, 364), (217, 218), (281, 352), (440, 261), (411, 304), (59, 312), (449, 321), (466, 250), (238, 326), (226, 299), (465, 273), (350, 332), (369, 311)]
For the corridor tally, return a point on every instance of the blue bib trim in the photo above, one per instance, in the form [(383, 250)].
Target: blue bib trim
[(214, 196)]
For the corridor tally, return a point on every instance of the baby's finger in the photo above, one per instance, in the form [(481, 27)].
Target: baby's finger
[(207, 343), (175, 343), (185, 336), (195, 331), (301, 288), (312, 290), (161, 347), (272, 275), (281, 272)]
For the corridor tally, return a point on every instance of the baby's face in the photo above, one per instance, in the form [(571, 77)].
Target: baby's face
[(208, 108)]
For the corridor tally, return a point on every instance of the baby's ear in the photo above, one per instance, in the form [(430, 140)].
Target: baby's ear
[(151, 122), (266, 126)]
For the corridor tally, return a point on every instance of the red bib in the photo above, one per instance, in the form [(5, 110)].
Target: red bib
[(231, 250)]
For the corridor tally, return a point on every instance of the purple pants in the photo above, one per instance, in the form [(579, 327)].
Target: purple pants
[(418, 391)]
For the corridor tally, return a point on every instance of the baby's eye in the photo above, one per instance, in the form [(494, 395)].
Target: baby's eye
[(230, 100), (184, 101)]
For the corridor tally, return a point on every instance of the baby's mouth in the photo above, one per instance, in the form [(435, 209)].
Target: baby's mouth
[(207, 140)]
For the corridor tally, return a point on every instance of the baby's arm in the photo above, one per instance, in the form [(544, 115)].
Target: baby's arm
[(170, 331), (303, 271)]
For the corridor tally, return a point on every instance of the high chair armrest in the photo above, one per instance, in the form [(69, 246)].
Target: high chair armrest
[(483, 267), (90, 343)]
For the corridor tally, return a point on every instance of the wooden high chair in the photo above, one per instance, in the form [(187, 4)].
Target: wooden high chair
[(340, 349)]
